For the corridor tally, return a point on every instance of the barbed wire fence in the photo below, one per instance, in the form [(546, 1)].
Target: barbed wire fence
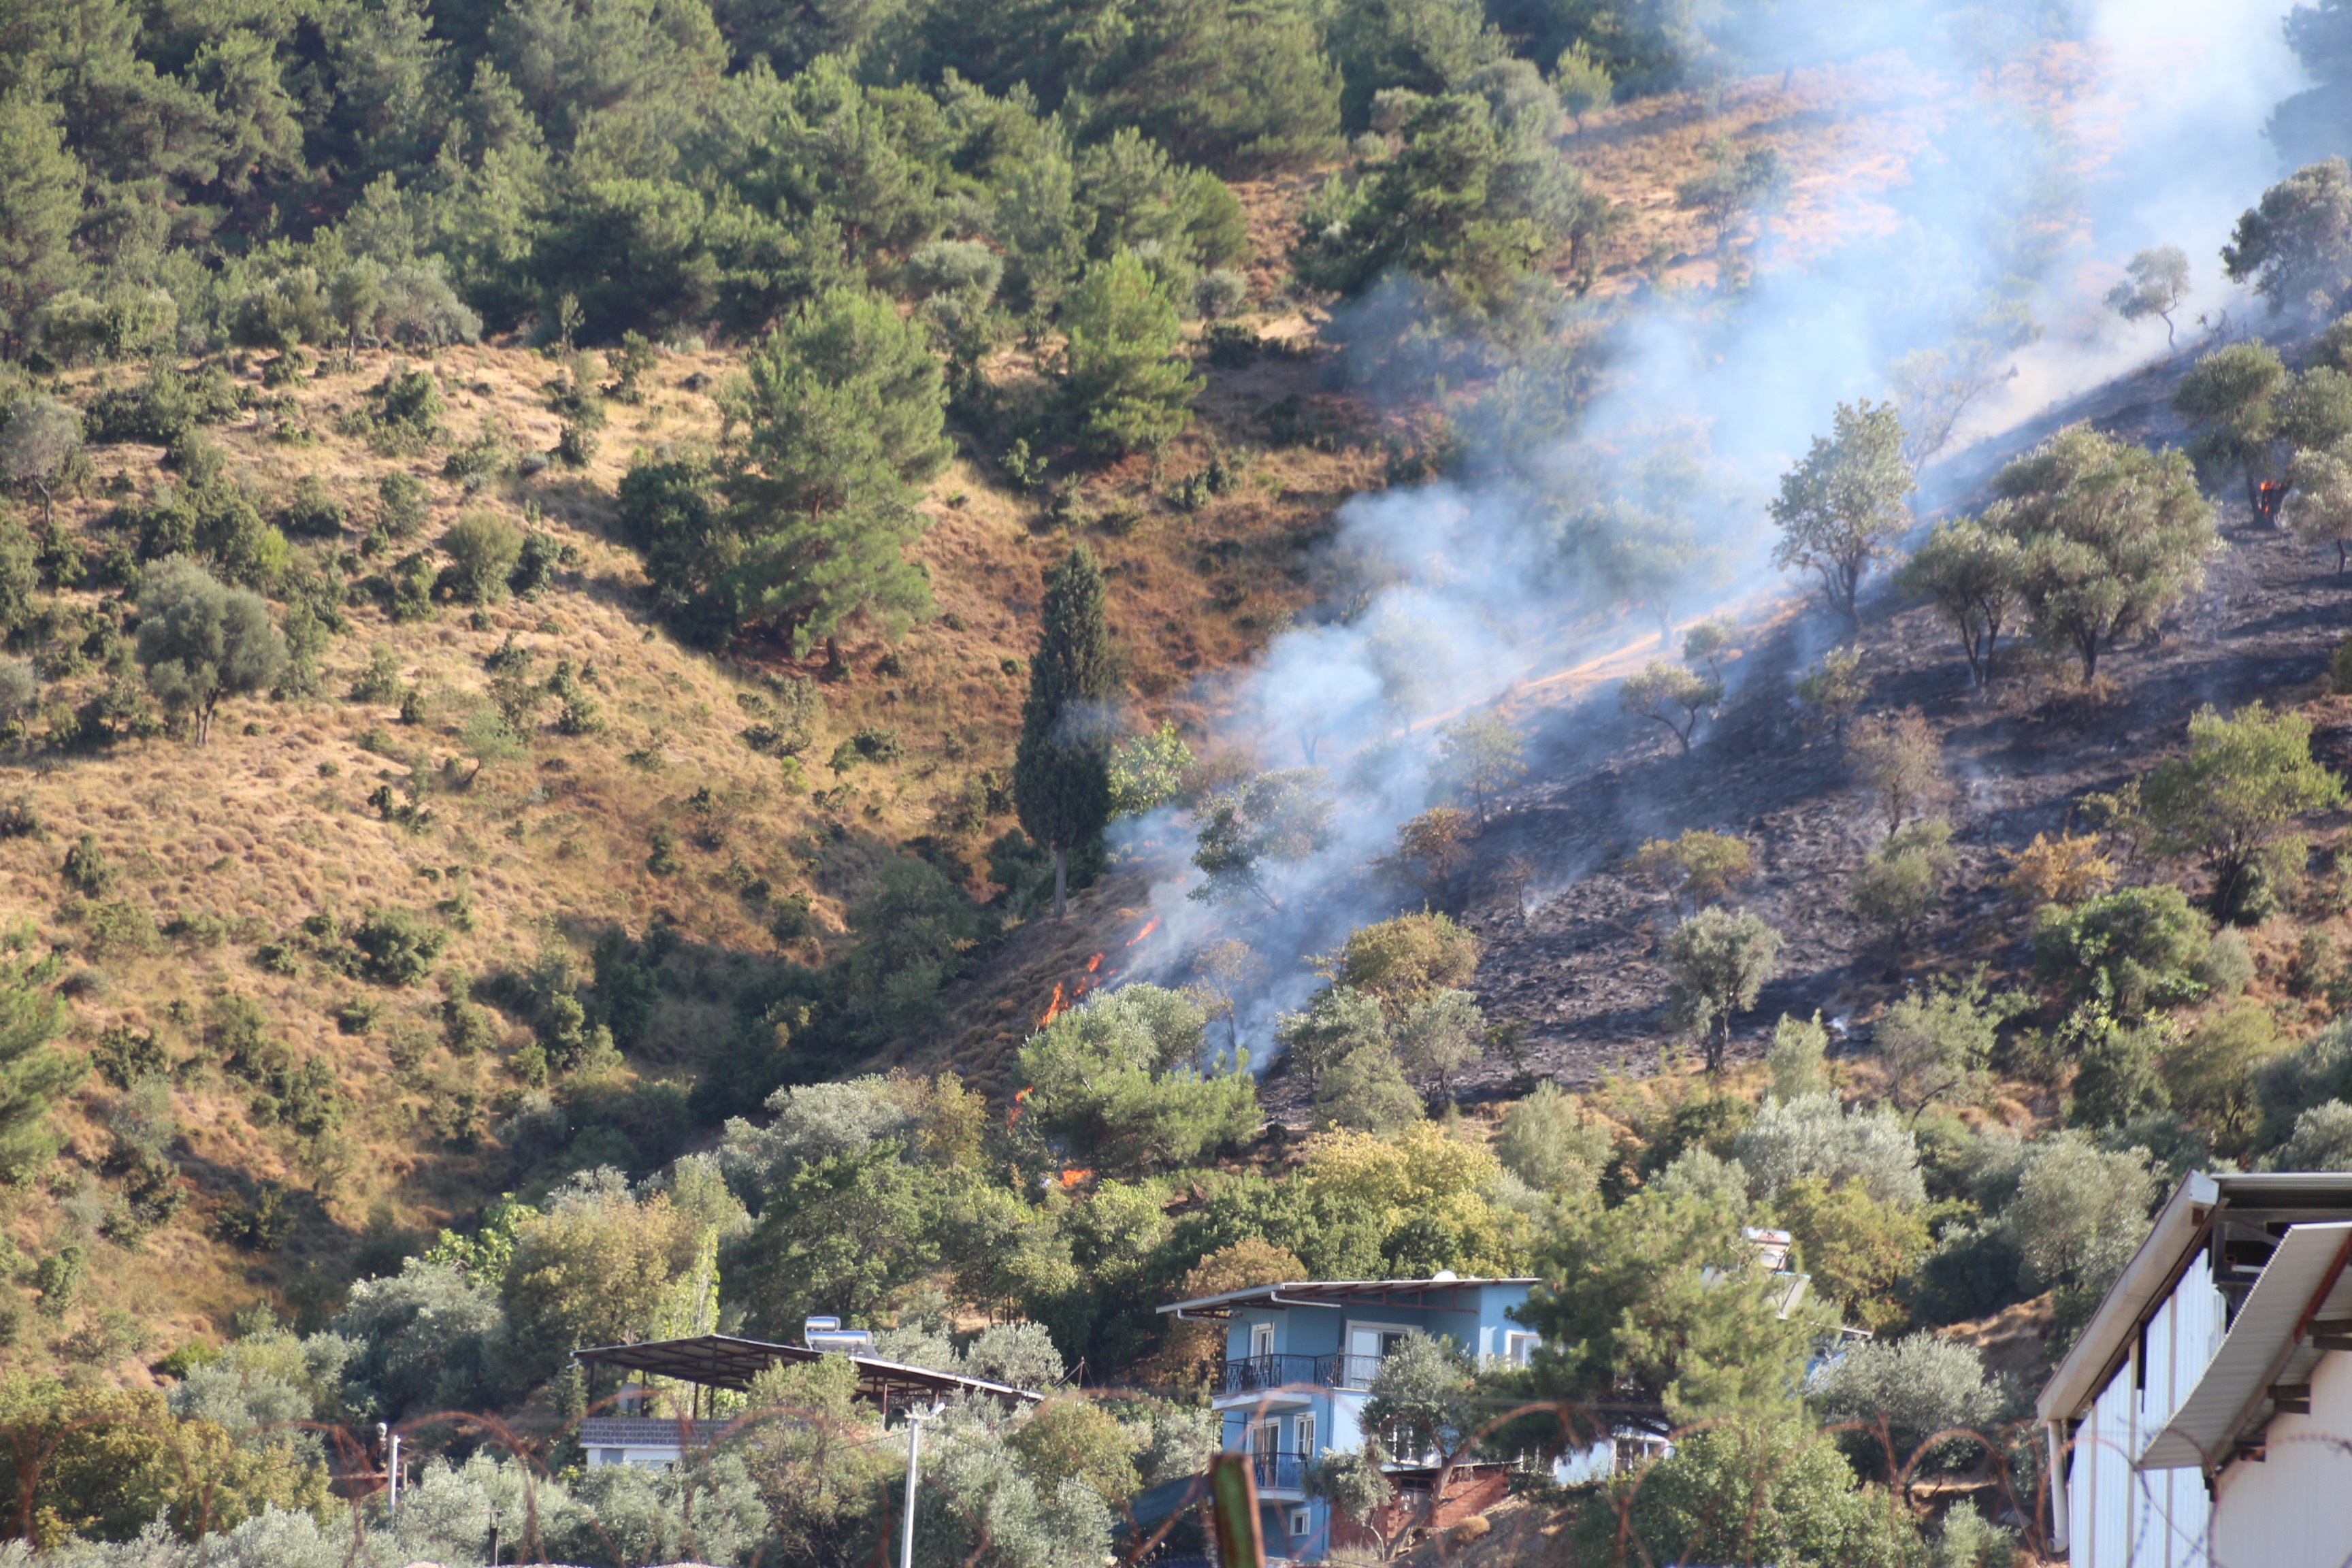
[(533, 1460)]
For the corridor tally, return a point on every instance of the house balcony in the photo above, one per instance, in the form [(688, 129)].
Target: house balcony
[(1274, 1376), (1279, 1475)]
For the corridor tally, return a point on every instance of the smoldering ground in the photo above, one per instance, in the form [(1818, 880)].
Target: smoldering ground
[(1611, 492)]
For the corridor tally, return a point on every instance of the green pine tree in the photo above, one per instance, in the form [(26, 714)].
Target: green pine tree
[(1123, 384), (842, 411), (31, 1073), (40, 201), (1060, 769)]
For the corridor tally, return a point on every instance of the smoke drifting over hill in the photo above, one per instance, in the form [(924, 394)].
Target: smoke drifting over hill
[(1967, 289)]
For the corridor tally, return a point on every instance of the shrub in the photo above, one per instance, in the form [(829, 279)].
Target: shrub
[(1902, 879), (1815, 1136), (396, 947), (1698, 867), (314, 512), (536, 562), (404, 412), (401, 504), (483, 549), (1902, 1393), (2322, 1140), (1548, 1141), (87, 869), (380, 681), (2140, 947)]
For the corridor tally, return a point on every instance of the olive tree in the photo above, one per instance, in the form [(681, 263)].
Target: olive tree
[(2113, 536), (2158, 283), (1716, 962), (1846, 503), (2319, 504), (2295, 243), (1936, 1040), (37, 445), (2229, 800), (1971, 574), (2231, 397), (1480, 756), (1670, 695), (1278, 817), (200, 641), (1899, 759)]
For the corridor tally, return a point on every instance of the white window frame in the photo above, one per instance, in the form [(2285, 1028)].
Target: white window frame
[(1350, 1329), (1519, 1346), (1302, 1435), (1261, 1335), (1302, 1521)]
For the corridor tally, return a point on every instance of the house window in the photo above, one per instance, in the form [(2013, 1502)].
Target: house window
[(611, 1456), (1303, 1436), (1261, 1340), (1301, 1522), (1520, 1349), (1264, 1437), (1369, 1344)]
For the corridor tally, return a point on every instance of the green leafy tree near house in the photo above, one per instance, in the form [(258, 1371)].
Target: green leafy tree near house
[(1124, 385), (842, 411), (1129, 1076), (1061, 766)]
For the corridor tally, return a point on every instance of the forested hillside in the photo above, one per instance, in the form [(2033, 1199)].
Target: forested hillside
[(672, 665)]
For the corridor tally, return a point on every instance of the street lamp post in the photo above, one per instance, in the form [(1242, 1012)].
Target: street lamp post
[(914, 1442)]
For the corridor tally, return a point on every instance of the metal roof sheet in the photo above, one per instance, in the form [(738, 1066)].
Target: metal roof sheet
[(725, 1361), (2305, 1281), (1330, 1292), (2179, 1229)]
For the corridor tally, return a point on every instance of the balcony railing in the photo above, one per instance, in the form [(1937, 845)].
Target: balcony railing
[(1279, 1472), (1265, 1374)]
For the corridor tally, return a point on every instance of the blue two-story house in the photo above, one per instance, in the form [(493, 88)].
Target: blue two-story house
[(1300, 1358)]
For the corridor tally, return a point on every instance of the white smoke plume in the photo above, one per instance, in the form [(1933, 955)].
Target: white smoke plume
[(2140, 124)]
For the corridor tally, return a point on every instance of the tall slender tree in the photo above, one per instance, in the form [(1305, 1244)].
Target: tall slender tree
[(1061, 771)]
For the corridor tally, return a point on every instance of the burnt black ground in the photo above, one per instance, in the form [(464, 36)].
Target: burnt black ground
[(1571, 955)]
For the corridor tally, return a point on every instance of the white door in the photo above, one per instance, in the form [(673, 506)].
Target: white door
[(1303, 1438), (1261, 1339)]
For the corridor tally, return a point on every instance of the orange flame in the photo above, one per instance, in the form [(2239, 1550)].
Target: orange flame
[(1013, 1117), (1052, 1008), (1072, 1177), (1093, 964), (1149, 927)]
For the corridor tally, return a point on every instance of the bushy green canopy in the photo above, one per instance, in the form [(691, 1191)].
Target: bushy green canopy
[(1128, 1078)]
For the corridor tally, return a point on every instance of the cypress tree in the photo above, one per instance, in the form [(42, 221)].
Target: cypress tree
[(1061, 771), (32, 1073)]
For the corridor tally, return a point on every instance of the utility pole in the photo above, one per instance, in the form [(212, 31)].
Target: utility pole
[(914, 1442)]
